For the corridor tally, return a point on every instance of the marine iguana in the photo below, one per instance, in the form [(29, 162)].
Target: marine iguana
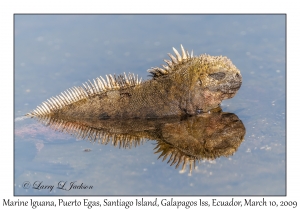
[(187, 85)]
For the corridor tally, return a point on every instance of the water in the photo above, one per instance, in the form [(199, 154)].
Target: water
[(56, 52)]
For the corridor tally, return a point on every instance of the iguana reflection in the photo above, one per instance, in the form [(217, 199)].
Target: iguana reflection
[(182, 141)]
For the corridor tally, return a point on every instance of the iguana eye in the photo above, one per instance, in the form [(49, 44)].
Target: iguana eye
[(217, 76)]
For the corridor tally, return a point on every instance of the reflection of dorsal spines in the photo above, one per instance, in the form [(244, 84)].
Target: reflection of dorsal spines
[(81, 132), (126, 141), (175, 155)]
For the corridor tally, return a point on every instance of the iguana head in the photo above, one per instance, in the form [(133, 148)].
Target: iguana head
[(202, 81)]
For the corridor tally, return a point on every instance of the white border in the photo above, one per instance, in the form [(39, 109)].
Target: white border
[(8, 8)]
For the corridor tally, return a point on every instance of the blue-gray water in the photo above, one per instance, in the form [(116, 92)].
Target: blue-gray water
[(56, 52)]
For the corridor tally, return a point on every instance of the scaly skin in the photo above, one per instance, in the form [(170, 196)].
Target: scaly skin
[(185, 87)]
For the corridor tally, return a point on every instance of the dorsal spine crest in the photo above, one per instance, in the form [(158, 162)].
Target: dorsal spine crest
[(101, 85), (173, 63), (89, 89)]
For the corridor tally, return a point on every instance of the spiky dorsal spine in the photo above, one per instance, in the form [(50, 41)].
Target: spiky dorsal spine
[(89, 89), (112, 82), (173, 63)]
